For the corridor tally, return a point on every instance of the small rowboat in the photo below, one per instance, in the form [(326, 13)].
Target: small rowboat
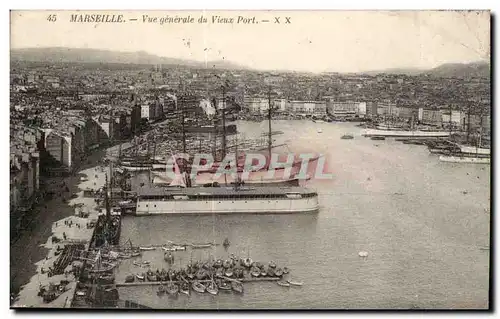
[(286, 270), (224, 285), (278, 272), (185, 289), (172, 288), (161, 290), (198, 286), (219, 272), (129, 278), (141, 277), (255, 272), (201, 274), (218, 263), (146, 248), (272, 264), (212, 288), (283, 283), (229, 272), (263, 273), (270, 272), (247, 262), (295, 283), (237, 287), (135, 254), (81, 293)]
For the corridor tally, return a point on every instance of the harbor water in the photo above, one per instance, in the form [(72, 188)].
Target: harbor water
[(425, 225)]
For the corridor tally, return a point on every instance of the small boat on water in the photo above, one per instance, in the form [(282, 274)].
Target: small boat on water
[(141, 277), (218, 263), (263, 273), (283, 283), (238, 273), (161, 290), (129, 278), (255, 272), (270, 272), (272, 264), (200, 246), (226, 264), (278, 272), (185, 288), (320, 130), (226, 243), (201, 274), (168, 257), (295, 283), (198, 286), (347, 137), (229, 272), (286, 270), (219, 272), (378, 138), (147, 248), (212, 288), (247, 262), (174, 248), (151, 276), (237, 287), (224, 285), (135, 254), (414, 142), (171, 288)]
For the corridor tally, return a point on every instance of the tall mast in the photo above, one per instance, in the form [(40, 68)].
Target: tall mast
[(223, 121), (237, 182), (468, 123), (269, 141), (106, 200), (183, 127), (450, 120)]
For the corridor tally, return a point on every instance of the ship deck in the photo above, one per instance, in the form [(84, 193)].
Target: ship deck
[(223, 191)]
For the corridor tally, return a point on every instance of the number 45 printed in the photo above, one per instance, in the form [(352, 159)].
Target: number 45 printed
[(52, 18)]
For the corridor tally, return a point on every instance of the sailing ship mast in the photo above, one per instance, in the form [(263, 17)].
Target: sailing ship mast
[(269, 141)]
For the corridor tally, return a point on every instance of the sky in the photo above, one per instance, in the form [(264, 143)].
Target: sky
[(315, 41)]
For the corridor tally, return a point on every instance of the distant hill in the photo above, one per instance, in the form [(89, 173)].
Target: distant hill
[(68, 55), (448, 70), (461, 70)]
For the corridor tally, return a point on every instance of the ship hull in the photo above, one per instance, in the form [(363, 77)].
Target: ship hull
[(388, 133), (468, 160), (255, 206)]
